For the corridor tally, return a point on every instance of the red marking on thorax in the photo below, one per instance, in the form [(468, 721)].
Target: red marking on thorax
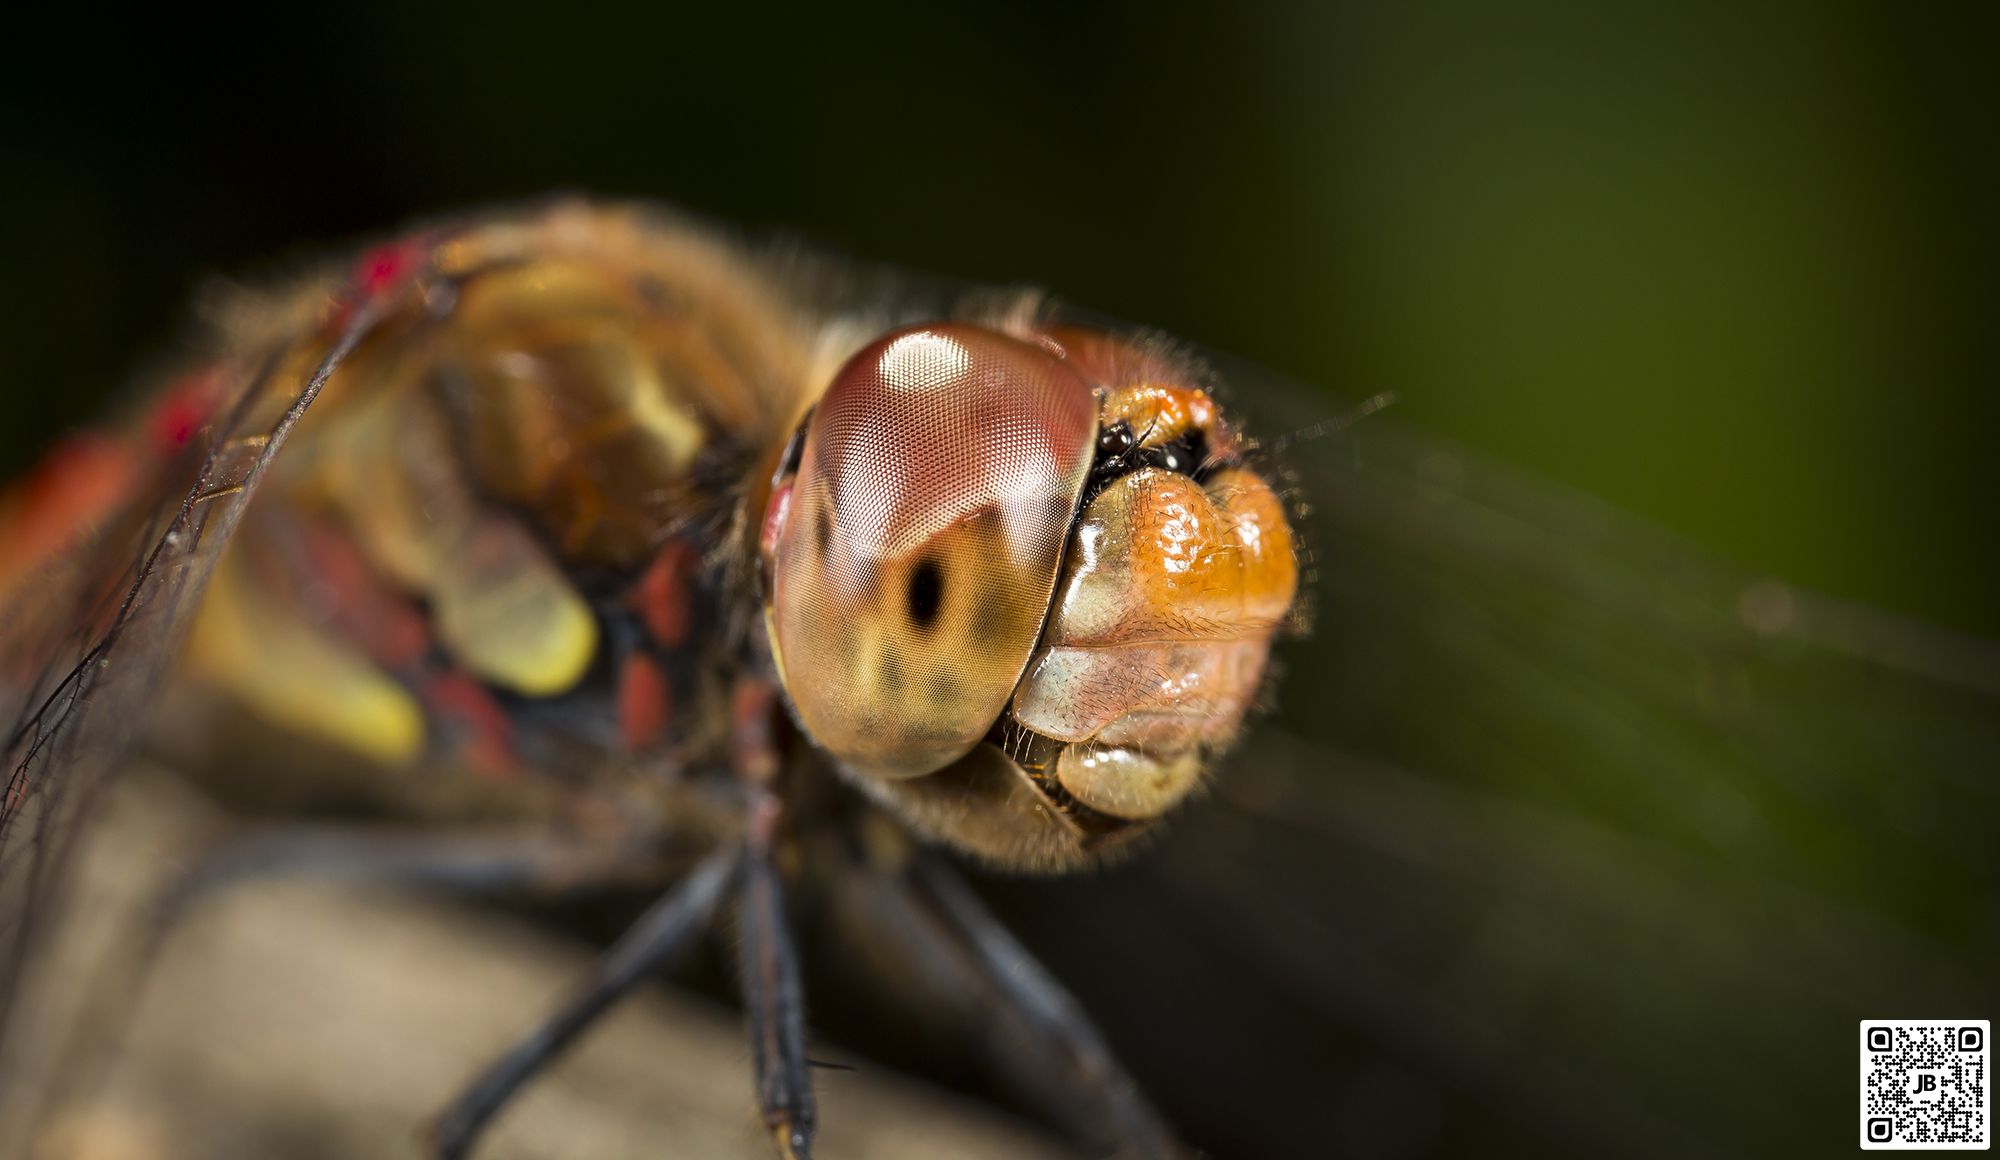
[(386, 624), (75, 473), (86, 476), (468, 705), (183, 409), (378, 273), (388, 265), (363, 606), (61, 500), (663, 595), (645, 702)]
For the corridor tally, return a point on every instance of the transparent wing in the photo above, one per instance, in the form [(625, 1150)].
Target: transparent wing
[(1563, 836), (87, 640)]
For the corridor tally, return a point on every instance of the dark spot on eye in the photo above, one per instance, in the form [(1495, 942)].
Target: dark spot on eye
[(822, 530), (891, 676), (926, 592)]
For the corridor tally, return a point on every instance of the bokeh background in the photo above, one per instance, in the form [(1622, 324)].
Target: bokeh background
[(1727, 266), (1596, 870)]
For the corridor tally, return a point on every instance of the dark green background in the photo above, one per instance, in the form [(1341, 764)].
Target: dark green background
[(1726, 268)]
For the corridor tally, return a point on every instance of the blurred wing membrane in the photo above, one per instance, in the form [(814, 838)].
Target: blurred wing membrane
[(86, 642)]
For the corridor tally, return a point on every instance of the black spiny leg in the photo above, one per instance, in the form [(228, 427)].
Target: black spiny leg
[(1049, 1012), (668, 926), (772, 995), (773, 998)]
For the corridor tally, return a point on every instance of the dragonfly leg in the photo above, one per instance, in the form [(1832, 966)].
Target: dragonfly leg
[(667, 927), (467, 863), (768, 959), (1047, 1012), (773, 997)]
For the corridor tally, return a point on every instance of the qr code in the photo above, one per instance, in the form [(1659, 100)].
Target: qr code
[(1924, 1084)]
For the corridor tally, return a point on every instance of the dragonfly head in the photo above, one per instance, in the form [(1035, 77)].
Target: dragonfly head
[(1021, 586)]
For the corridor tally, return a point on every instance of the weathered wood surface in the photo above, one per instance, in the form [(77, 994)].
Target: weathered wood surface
[(315, 1020)]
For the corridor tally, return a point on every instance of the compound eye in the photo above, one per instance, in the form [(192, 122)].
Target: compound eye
[(919, 543)]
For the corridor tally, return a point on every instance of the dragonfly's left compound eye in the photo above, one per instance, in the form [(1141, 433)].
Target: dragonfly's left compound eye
[(914, 554)]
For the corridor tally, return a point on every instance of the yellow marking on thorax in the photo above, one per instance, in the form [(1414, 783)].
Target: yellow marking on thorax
[(268, 658)]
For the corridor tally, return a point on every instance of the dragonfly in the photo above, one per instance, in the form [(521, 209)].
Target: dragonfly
[(766, 579)]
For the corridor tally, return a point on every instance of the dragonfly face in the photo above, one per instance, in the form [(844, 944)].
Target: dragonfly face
[(1021, 595)]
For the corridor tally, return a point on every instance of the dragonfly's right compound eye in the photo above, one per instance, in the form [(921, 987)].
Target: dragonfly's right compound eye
[(914, 553)]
